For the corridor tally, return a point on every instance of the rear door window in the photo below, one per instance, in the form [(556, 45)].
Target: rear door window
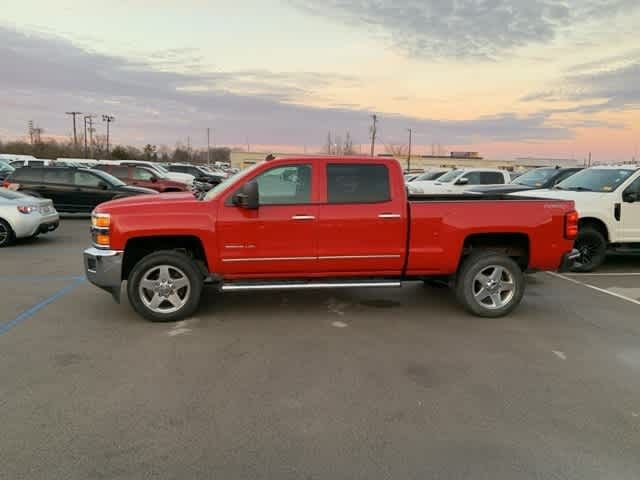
[(33, 175), (59, 176), (357, 183), (491, 178)]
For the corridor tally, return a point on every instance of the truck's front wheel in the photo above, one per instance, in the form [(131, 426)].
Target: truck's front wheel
[(165, 286), (490, 284)]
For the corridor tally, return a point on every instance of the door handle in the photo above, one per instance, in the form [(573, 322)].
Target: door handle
[(303, 217), (389, 215)]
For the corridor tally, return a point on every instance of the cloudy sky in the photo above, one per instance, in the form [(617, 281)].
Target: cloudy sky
[(505, 77)]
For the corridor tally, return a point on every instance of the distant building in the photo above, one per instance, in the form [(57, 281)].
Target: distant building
[(475, 155)]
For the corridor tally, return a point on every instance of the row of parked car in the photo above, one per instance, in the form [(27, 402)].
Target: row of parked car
[(607, 199), (35, 190)]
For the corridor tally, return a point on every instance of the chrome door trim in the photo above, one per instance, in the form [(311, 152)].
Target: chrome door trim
[(303, 217), (266, 259), (389, 215), (357, 257)]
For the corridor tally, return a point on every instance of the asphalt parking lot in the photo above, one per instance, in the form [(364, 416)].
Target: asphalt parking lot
[(396, 383)]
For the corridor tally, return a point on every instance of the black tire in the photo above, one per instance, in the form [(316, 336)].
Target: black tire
[(467, 284), (7, 236), (177, 262), (593, 250)]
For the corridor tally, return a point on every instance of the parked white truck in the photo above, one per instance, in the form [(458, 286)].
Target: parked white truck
[(608, 202), (457, 181)]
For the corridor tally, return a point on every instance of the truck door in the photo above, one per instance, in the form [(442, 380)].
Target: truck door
[(363, 222), (627, 219), (277, 239)]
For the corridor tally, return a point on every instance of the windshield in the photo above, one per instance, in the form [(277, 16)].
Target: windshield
[(450, 176), (535, 178), (4, 166), (429, 176), (161, 171), (596, 180), (116, 182), (225, 183)]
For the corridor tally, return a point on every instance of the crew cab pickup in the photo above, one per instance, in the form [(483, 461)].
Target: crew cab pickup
[(323, 222)]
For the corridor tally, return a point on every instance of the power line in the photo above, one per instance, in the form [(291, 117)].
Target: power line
[(86, 148), (75, 135), (108, 119), (373, 133)]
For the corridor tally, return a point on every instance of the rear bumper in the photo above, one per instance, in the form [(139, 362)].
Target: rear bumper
[(103, 268), (569, 260)]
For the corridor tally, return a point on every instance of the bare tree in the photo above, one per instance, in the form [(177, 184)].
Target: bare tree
[(347, 148), (397, 149)]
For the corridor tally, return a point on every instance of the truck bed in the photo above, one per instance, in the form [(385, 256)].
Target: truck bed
[(443, 227)]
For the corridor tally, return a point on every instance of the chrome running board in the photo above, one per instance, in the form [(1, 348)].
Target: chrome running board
[(293, 285)]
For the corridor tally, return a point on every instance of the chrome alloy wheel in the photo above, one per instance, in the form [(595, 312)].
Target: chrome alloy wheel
[(494, 287), (4, 234), (164, 289)]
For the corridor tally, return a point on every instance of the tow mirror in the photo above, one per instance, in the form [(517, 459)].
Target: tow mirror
[(154, 179), (462, 181), (248, 197)]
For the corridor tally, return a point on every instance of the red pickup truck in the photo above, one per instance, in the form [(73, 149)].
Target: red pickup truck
[(324, 222)]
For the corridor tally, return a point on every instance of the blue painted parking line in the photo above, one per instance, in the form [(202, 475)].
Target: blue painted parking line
[(66, 278), (5, 327)]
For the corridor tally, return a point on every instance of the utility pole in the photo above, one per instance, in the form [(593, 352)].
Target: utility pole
[(31, 131), (75, 135), (589, 159), (86, 148), (108, 119), (248, 146), (409, 157), (208, 147), (374, 130)]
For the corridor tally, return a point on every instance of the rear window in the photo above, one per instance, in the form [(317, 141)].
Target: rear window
[(27, 174), (357, 183)]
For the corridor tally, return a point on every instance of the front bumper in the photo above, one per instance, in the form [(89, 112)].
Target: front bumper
[(104, 269), (569, 260)]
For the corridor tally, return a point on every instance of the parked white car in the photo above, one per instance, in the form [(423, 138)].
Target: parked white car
[(430, 175), (23, 216), (608, 202), (161, 171), (457, 181)]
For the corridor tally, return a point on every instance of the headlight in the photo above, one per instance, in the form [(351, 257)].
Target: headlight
[(100, 223), (27, 209), (100, 220)]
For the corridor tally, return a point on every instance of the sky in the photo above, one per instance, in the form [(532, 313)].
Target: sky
[(507, 78)]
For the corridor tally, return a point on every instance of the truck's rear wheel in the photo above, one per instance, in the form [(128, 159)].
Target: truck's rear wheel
[(593, 250), (165, 286), (490, 284)]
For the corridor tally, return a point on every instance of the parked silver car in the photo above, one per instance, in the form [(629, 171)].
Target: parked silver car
[(23, 216)]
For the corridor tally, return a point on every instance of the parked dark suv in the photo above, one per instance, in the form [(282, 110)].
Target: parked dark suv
[(73, 190)]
